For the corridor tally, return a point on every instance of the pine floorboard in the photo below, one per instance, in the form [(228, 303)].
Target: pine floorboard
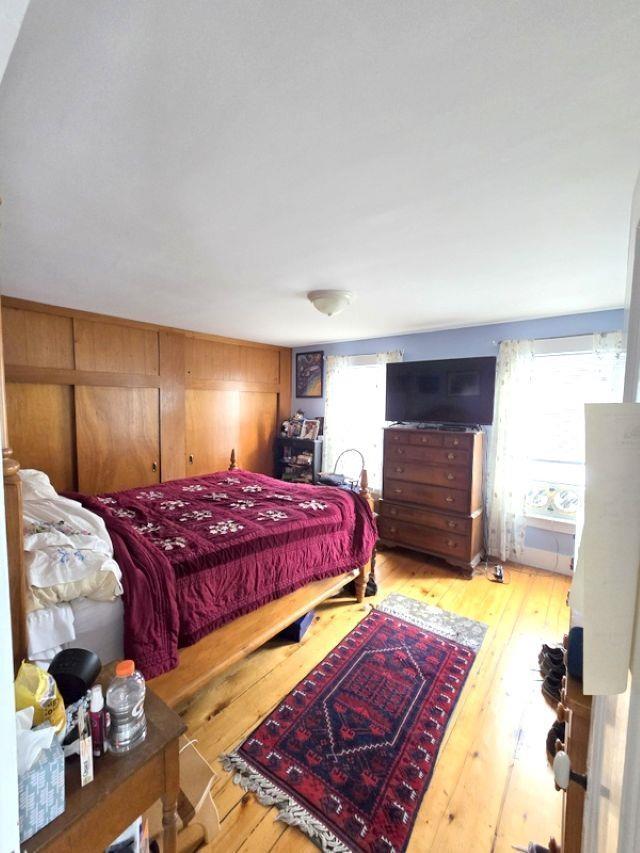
[(491, 787)]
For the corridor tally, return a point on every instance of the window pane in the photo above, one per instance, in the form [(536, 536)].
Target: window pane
[(562, 384), (358, 392)]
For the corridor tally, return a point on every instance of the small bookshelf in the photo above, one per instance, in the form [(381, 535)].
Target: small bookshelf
[(298, 460)]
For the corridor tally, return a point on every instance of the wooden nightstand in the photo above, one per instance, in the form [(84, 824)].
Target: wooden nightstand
[(124, 786)]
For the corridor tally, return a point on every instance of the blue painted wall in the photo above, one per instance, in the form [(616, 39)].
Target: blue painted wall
[(475, 341), (462, 343)]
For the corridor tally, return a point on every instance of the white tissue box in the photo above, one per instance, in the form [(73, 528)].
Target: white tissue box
[(41, 791)]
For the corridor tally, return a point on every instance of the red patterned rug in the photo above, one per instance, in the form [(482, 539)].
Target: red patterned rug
[(348, 755)]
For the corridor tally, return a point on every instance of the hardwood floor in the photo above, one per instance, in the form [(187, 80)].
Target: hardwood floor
[(491, 787)]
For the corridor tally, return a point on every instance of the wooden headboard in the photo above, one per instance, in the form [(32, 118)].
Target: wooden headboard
[(14, 527)]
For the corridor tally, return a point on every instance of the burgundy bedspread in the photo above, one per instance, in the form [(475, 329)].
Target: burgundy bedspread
[(199, 552)]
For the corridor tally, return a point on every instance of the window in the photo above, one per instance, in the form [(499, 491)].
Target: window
[(566, 374), (355, 413)]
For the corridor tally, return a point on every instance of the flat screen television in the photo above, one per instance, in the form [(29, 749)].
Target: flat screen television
[(448, 391)]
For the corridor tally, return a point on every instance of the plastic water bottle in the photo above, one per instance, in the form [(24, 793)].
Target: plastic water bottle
[(125, 704)]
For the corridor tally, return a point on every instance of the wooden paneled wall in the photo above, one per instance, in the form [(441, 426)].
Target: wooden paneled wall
[(101, 404)]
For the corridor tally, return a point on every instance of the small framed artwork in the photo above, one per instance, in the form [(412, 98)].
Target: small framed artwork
[(295, 428), (310, 428), (309, 373)]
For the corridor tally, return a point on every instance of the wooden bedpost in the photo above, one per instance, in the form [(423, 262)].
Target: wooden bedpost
[(364, 491), (232, 460), (14, 523), (361, 581), (364, 571)]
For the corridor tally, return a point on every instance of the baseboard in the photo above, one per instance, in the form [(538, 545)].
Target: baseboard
[(547, 560)]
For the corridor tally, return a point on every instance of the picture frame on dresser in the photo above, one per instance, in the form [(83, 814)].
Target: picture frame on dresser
[(310, 428)]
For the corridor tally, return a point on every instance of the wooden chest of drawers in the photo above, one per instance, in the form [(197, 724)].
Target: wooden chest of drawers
[(432, 493)]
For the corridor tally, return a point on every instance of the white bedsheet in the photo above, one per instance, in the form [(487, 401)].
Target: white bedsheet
[(74, 581), (48, 629), (81, 624), (99, 627)]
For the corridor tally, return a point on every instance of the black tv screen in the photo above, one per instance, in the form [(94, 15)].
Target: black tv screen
[(450, 391)]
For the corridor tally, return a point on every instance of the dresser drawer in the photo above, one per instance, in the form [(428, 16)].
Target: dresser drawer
[(431, 475), (404, 512), (392, 437), (461, 441), (424, 538), (436, 496), (426, 439), (434, 455)]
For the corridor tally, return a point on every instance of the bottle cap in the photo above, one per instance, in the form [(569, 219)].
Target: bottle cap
[(125, 668), (97, 699)]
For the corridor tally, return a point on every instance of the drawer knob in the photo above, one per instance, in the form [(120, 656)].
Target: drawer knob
[(400, 451), (424, 440), (455, 442), (451, 455), (393, 511), (451, 543), (452, 524), (397, 491), (449, 499), (399, 470), (450, 476), (393, 530)]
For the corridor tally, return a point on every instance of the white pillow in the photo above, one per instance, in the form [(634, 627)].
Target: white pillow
[(49, 566), (36, 485), (68, 552)]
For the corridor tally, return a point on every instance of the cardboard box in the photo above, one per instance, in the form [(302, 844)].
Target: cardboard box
[(41, 791)]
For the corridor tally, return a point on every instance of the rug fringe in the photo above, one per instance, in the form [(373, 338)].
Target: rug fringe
[(452, 626), (289, 810)]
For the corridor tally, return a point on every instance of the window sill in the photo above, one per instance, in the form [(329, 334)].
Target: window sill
[(558, 525)]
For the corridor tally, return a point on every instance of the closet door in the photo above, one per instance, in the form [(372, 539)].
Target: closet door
[(118, 438), (212, 418), (257, 430), (40, 425)]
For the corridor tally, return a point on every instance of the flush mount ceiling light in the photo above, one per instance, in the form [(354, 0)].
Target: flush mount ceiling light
[(330, 302)]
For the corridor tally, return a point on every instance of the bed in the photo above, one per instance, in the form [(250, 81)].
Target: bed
[(203, 555)]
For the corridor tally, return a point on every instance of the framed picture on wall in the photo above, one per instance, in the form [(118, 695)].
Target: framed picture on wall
[(309, 373)]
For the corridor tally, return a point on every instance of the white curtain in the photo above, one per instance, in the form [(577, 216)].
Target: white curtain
[(355, 412), (508, 453), (610, 354)]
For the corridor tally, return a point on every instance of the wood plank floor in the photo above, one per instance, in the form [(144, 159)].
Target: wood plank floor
[(491, 787)]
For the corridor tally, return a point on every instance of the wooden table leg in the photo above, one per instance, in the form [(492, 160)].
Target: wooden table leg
[(170, 797)]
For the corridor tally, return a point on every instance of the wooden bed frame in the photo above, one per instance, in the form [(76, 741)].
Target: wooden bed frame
[(209, 656)]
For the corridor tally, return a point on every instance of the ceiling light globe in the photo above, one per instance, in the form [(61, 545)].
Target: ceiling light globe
[(330, 302)]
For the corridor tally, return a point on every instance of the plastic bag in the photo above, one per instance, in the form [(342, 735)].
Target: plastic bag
[(37, 689)]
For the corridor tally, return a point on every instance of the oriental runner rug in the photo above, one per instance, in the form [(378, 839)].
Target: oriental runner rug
[(348, 755)]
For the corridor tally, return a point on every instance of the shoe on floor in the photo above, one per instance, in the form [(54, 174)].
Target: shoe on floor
[(555, 654), (556, 732), (548, 667), (551, 687)]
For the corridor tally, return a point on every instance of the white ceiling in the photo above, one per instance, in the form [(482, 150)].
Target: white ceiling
[(204, 164)]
